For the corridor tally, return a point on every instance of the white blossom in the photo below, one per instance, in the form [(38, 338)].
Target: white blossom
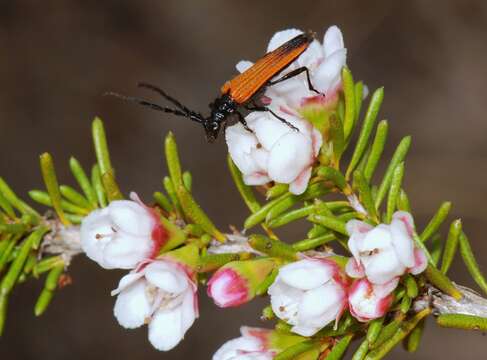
[(161, 294), (308, 294), (252, 345)]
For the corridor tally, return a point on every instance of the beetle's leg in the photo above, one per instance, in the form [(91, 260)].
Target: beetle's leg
[(242, 120), (294, 73), (263, 108)]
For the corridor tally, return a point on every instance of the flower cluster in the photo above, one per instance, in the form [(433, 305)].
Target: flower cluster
[(160, 292), (275, 151)]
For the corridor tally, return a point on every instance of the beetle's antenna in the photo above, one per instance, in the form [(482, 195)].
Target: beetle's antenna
[(149, 104), (164, 95)]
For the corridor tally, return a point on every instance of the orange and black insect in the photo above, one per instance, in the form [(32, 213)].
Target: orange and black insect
[(241, 91)]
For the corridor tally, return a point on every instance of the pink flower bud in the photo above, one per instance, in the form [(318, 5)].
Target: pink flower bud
[(235, 283), (367, 301)]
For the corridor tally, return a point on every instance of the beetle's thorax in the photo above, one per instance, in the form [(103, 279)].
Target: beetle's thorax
[(223, 107)]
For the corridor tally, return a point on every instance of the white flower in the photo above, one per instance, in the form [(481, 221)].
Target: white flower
[(250, 346), (368, 301), (274, 151), (162, 295), (308, 294), (121, 235), (384, 252), (323, 60)]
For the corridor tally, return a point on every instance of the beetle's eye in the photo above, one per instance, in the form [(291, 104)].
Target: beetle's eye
[(215, 125)]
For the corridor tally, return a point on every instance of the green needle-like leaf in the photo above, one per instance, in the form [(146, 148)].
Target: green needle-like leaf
[(375, 327), (276, 190), (294, 351), (337, 138), (273, 248), (163, 201), (365, 194), (188, 180), (48, 291), (403, 202), (194, 212), (5, 205), (308, 244), (244, 190), (414, 339), (368, 125), (52, 186), (404, 330), (98, 186), (111, 187), (436, 221), (451, 245), (376, 149), (331, 223), (335, 176), (83, 181), (12, 198), (359, 95), (439, 280), (340, 347), (349, 92), (394, 191), (101, 147), (411, 286), (171, 192), (75, 197), (471, 263), (462, 321), (361, 351), (43, 198), (172, 159), (398, 157), (212, 262)]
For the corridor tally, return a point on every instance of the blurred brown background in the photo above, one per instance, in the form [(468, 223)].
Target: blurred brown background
[(58, 57)]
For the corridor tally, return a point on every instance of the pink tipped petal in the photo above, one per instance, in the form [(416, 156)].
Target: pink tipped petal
[(300, 184), (228, 288), (354, 269), (316, 141), (332, 41), (420, 262), (281, 37), (402, 242), (407, 219), (243, 65), (366, 305), (328, 75), (291, 154), (357, 226)]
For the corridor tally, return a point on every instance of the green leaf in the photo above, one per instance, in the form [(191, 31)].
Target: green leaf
[(98, 185), (462, 321), (244, 190), (340, 347), (375, 327), (212, 262), (47, 292), (337, 138), (293, 351), (43, 198), (359, 95), (111, 187), (471, 263), (12, 198), (394, 191), (101, 147), (331, 223), (194, 212), (171, 192), (75, 197), (349, 93), (83, 181), (335, 176), (188, 180), (163, 201), (365, 195), (439, 280), (172, 159), (276, 190), (308, 244), (414, 338), (368, 125), (403, 202), (451, 245), (376, 150), (271, 247), (5, 205), (397, 158), (436, 221), (50, 180), (361, 351)]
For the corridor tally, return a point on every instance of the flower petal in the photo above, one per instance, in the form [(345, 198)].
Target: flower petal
[(306, 274), (332, 41), (132, 306), (165, 329), (281, 37), (420, 262), (354, 269), (402, 242), (131, 217), (328, 75), (289, 156), (285, 301), (300, 184), (167, 277), (243, 65), (240, 144)]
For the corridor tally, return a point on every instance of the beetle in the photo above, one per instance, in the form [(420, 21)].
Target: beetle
[(240, 91)]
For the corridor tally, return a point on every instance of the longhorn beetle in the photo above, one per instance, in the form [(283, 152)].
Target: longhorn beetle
[(241, 90)]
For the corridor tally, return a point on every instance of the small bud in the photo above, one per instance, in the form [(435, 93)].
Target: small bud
[(236, 282)]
